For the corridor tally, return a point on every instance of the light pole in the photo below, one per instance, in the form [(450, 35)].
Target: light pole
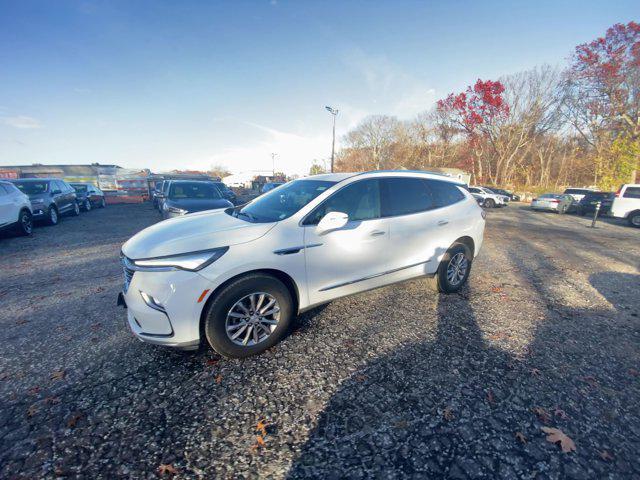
[(334, 112), (273, 164)]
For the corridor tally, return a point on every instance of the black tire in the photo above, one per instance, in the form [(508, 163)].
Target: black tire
[(75, 211), (24, 226), (634, 219), (87, 205), (53, 216), (490, 203), (216, 315), (440, 283)]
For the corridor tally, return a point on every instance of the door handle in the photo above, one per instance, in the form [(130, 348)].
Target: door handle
[(377, 233), (442, 222)]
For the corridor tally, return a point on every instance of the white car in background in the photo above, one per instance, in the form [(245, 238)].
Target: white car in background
[(488, 198), (626, 204), (237, 277), (15, 209)]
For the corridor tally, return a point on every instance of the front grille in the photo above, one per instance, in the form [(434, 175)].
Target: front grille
[(128, 275)]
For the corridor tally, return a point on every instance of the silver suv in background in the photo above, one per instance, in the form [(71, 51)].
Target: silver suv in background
[(15, 209)]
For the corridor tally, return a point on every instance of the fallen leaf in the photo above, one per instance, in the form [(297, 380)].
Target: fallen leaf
[(496, 289), (72, 422), (521, 438), (448, 414), (32, 410), (591, 380), (260, 441), (22, 321), (542, 414), (535, 372), (261, 427), (498, 336), (606, 456), (4, 375), (167, 469), (360, 378), (558, 412), (219, 379), (58, 375), (52, 400), (555, 435), (490, 398), (34, 390), (211, 362)]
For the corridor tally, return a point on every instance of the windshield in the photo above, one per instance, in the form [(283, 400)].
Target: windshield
[(79, 188), (282, 202), (31, 188), (549, 195), (193, 190), (577, 191)]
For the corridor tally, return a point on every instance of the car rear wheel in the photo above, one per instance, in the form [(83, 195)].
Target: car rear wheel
[(490, 203), (25, 223), (248, 316), (634, 219), (52, 215), (453, 271), (76, 209), (87, 204)]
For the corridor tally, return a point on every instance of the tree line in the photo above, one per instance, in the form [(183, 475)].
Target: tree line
[(543, 128)]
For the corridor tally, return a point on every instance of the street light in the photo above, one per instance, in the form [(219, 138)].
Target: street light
[(273, 165), (334, 112)]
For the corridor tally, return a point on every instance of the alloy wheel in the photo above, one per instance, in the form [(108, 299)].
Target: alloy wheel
[(27, 224), (87, 205), (53, 216), (457, 269), (252, 319)]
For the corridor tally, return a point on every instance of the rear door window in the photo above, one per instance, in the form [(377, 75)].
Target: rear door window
[(403, 196), (632, 192), (444, 193)]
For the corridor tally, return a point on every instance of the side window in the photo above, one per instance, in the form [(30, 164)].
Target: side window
[(54, 185), (3, 190), (403, 196), (632, 192), (444, 193), (360, 200)]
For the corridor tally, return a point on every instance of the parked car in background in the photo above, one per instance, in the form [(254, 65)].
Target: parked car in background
[(506, 193), (162, 193), (50, 198), (226, 192), (237, 277), (186, 196), (489, 199), (626, 204), (89, 196), (555, 202), (270, 186), (15, 209), (588, 203), (578, 193)]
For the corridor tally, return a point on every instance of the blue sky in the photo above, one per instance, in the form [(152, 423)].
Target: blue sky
[(186, 84)]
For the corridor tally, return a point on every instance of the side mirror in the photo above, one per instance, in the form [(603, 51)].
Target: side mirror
[(332, 221)]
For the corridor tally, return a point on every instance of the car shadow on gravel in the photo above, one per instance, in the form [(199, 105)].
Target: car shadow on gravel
[(462, 407)]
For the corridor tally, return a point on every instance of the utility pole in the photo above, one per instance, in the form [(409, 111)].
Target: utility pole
[(334, 112), (273, 164)]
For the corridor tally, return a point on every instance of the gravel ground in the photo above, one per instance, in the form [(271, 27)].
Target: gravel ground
[(392, 383)]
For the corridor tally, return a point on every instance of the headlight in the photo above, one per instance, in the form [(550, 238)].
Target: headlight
[(187, 261), (176, 210)]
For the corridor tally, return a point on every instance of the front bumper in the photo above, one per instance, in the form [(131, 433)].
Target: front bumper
[(179, 294), (39, 212)]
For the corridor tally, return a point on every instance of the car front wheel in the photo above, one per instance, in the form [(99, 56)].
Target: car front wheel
[(76, 209), (490, 203), (52, 216), (87, 204), (453, 271), (248, 316)]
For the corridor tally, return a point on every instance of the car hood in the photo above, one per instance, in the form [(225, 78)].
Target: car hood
[(191, 233), (198, 205)]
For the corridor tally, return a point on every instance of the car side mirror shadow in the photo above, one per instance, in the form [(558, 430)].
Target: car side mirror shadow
[(332, 221)]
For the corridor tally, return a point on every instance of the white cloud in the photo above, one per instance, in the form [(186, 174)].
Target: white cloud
[(294, 153), (21, 121)]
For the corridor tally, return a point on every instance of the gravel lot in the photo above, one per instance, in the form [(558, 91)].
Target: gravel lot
[(392, 383)]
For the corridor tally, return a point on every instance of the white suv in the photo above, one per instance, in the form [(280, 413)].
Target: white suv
[(15, 209), (488, 198), (238, 277), (626, 204)]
